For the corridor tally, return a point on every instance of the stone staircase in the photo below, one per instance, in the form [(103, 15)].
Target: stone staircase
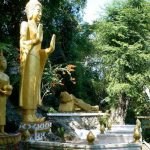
[(120, 137), (145, 146)]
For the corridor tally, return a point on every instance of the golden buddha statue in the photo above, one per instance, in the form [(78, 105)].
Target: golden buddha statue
[(33, 60), (5, 91), (69, 103)]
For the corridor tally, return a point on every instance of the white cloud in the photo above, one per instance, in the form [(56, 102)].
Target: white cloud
[(94, 9)]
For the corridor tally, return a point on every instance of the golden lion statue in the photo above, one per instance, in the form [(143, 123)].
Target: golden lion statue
[(69, 103)]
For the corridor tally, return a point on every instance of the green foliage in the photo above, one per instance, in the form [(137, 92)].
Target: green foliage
[(10, 52), (61, 132), (52, 110), (62, 18), (11, 13), (54, 76), (84, 84), (122, 41), (12, 56), (103, 120)]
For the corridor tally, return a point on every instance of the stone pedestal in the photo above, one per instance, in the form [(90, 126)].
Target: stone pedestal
[(73, 123), (10, 141), (34, 131)]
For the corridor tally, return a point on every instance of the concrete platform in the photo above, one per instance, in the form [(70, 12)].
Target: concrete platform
[(74, 114), (43, 145)]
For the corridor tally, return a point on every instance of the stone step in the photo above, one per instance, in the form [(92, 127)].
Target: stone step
[(44, 145), (106, 137), (115, 138), (145, 146), (122, 129)]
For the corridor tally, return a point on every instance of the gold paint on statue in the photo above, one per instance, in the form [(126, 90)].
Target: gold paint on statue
[(109, 124), (10, 139), (138, 123), (70, 103), (25, 135), (102, 128), (136, 134), (33, 60), (90, 137), (5, 91)]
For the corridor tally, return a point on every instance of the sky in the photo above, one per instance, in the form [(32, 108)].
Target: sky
[(93, 9)]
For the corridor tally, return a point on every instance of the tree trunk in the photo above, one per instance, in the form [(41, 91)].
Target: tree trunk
[(118, 114)]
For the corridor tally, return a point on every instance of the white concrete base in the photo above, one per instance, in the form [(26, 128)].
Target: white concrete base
[(37, 130), (75, 114), (42, 145), (121, 129)]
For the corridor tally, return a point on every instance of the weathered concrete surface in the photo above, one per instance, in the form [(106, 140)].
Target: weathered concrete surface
[(42, 145), (78, 125)]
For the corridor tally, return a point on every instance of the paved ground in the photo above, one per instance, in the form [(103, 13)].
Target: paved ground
[(145, 146)]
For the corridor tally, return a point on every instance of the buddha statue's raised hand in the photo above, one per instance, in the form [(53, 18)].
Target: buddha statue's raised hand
[(40, 33), (52, 44)]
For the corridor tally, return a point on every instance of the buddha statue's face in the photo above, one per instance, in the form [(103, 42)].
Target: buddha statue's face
[(37, 13), (34, 11), (3, 63)]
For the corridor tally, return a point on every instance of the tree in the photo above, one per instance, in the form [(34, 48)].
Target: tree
[(122, 39), (63, 18)]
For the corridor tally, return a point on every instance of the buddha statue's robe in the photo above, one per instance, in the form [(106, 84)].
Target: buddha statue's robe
[(33, 60), (4, 80)]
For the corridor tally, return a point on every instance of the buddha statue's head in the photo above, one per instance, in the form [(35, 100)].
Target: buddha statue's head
[(65, 97), (3, 63), (34, 10)]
